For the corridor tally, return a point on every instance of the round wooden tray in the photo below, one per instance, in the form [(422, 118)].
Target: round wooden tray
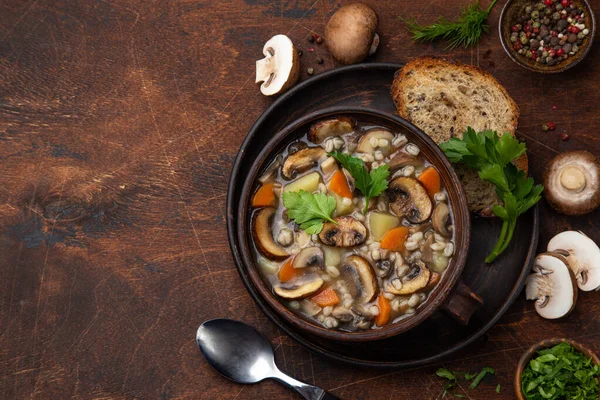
[(499, 284)]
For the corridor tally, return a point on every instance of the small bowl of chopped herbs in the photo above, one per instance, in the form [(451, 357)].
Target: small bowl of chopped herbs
[(558, 369), (547, 36)]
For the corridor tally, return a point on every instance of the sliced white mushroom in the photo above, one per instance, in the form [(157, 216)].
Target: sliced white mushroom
[(301, 161), (439, 219), (409, 199), (583, 257), (360, 279), (552, 286), (376, 139), (416, 280), (321, 130), (299, 288), (309, 257), (280, 69), (263, 236), (345, 232)]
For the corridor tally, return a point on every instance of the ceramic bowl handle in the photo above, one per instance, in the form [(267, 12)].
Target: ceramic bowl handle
[(462, 303)]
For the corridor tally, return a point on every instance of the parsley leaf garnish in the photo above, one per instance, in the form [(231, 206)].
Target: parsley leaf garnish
[(480, 376), (453, 376), (560, 372), (370, 184), (492, 157), (309, 210)]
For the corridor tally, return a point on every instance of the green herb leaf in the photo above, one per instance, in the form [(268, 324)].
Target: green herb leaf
[(498, 388), (480, 376), (560, 372), (492, 157), (464, 31), (370, 184), (309, 210), (445, 373)]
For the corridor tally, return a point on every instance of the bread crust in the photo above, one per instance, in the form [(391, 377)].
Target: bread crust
[(427, 62)]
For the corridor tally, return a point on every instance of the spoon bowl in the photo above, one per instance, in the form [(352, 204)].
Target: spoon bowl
[(240, 353)]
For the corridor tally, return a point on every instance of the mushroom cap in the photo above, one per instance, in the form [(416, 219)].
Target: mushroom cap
[(263, 237), (552, 285), (280, 69), (345, 232), (350, 32), (365, 144), (409, 199), (572, 182), (301, 161), (582, 255), (321, 130), (360, 278), (299, 288)]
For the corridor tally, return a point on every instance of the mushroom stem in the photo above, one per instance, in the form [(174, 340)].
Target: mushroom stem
[(264, 69)]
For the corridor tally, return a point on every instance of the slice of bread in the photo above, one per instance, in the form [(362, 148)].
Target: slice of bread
[(443, 98)]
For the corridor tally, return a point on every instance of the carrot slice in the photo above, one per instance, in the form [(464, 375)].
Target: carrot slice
[(384, 311), (430, 178), (265, 196), (339, 185), (287, 271), (394, 239), (324, 298)]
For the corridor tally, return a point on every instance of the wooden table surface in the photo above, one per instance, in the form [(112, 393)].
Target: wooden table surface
[(119, 124)]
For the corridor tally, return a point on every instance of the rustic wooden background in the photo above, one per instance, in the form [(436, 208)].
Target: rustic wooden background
[(119, 123)]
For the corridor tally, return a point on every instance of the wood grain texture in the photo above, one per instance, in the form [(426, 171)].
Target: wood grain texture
[(119, 123)]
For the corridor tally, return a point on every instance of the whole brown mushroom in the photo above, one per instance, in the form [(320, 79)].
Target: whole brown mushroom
[(350, 34), (572, 182)]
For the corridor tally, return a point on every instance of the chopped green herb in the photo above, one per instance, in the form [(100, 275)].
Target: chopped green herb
[(560, 372), (480, 376), (309, 210), (492, 157), (370, 184), (469, 375), (498, 388), (445, 373), (465, 31)]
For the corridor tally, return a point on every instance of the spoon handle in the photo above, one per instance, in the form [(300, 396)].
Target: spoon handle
[(309, 392)]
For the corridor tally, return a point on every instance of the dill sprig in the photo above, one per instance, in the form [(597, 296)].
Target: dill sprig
[(465, 31)]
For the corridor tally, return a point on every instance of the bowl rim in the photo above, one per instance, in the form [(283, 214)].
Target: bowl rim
[(544, 344), (559, 67), (243, 216)]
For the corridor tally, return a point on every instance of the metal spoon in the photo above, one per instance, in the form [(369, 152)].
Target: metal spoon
[(239, 352)]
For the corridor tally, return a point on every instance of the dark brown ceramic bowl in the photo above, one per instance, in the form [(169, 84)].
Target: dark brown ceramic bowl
[(450, 294), (508, 18), (544, 344)]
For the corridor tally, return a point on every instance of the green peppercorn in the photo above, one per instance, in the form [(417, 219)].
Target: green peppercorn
[(547, 12), (524, 40), (528, 54), (528, 9), (536, 25), (545, 127), (518, 27), (541, 6), (535, 14), (580, 35), (310, 70), (544, 54), (575, 48)]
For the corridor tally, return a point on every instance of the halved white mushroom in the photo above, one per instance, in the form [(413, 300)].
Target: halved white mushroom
[(583, 257), (309, 257), (299, 288), (376, 139), (263, 237), (409, 199), (416, 280), (301, 161), (572, 182), (280, 69), (321, 130), (552, 286), (439, 219), (345, 232), (360, 279)]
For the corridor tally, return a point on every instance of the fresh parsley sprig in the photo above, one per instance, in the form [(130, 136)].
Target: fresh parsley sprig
[(452, 377), (309, 210), (464, 31), (492, 157), (370, 184)]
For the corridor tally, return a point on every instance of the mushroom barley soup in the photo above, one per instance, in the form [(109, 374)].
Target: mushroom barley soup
[(361, 270)]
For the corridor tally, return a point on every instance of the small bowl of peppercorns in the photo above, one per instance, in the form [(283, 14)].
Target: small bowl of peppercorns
[(547, 35)]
